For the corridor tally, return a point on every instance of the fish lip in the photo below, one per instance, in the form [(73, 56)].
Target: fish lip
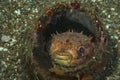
[(61, 56), (66, 59), (63, 62)]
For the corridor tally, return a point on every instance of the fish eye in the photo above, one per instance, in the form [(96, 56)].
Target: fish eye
[(81, 51)]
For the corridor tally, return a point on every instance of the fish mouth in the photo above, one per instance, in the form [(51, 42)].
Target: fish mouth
[(62, 58), (67, 60)]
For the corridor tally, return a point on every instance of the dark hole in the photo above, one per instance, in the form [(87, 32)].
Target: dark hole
[(62, 23)]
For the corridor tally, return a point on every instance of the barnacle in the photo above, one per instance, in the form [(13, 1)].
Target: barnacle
[(71, 44)]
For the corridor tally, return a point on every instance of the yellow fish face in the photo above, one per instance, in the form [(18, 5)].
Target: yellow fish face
[(71, 48)]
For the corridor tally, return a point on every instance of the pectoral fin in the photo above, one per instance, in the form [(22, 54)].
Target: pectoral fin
[(57, 71)]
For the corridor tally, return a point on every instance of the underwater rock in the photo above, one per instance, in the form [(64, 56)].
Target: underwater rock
[(71, 44)]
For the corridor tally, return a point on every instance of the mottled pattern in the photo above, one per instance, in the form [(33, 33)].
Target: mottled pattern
[(71, 48)]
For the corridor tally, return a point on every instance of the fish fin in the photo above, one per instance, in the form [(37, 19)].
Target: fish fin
[(57, 71)]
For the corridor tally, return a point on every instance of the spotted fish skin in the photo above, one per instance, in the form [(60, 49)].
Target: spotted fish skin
[(71, 48)]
